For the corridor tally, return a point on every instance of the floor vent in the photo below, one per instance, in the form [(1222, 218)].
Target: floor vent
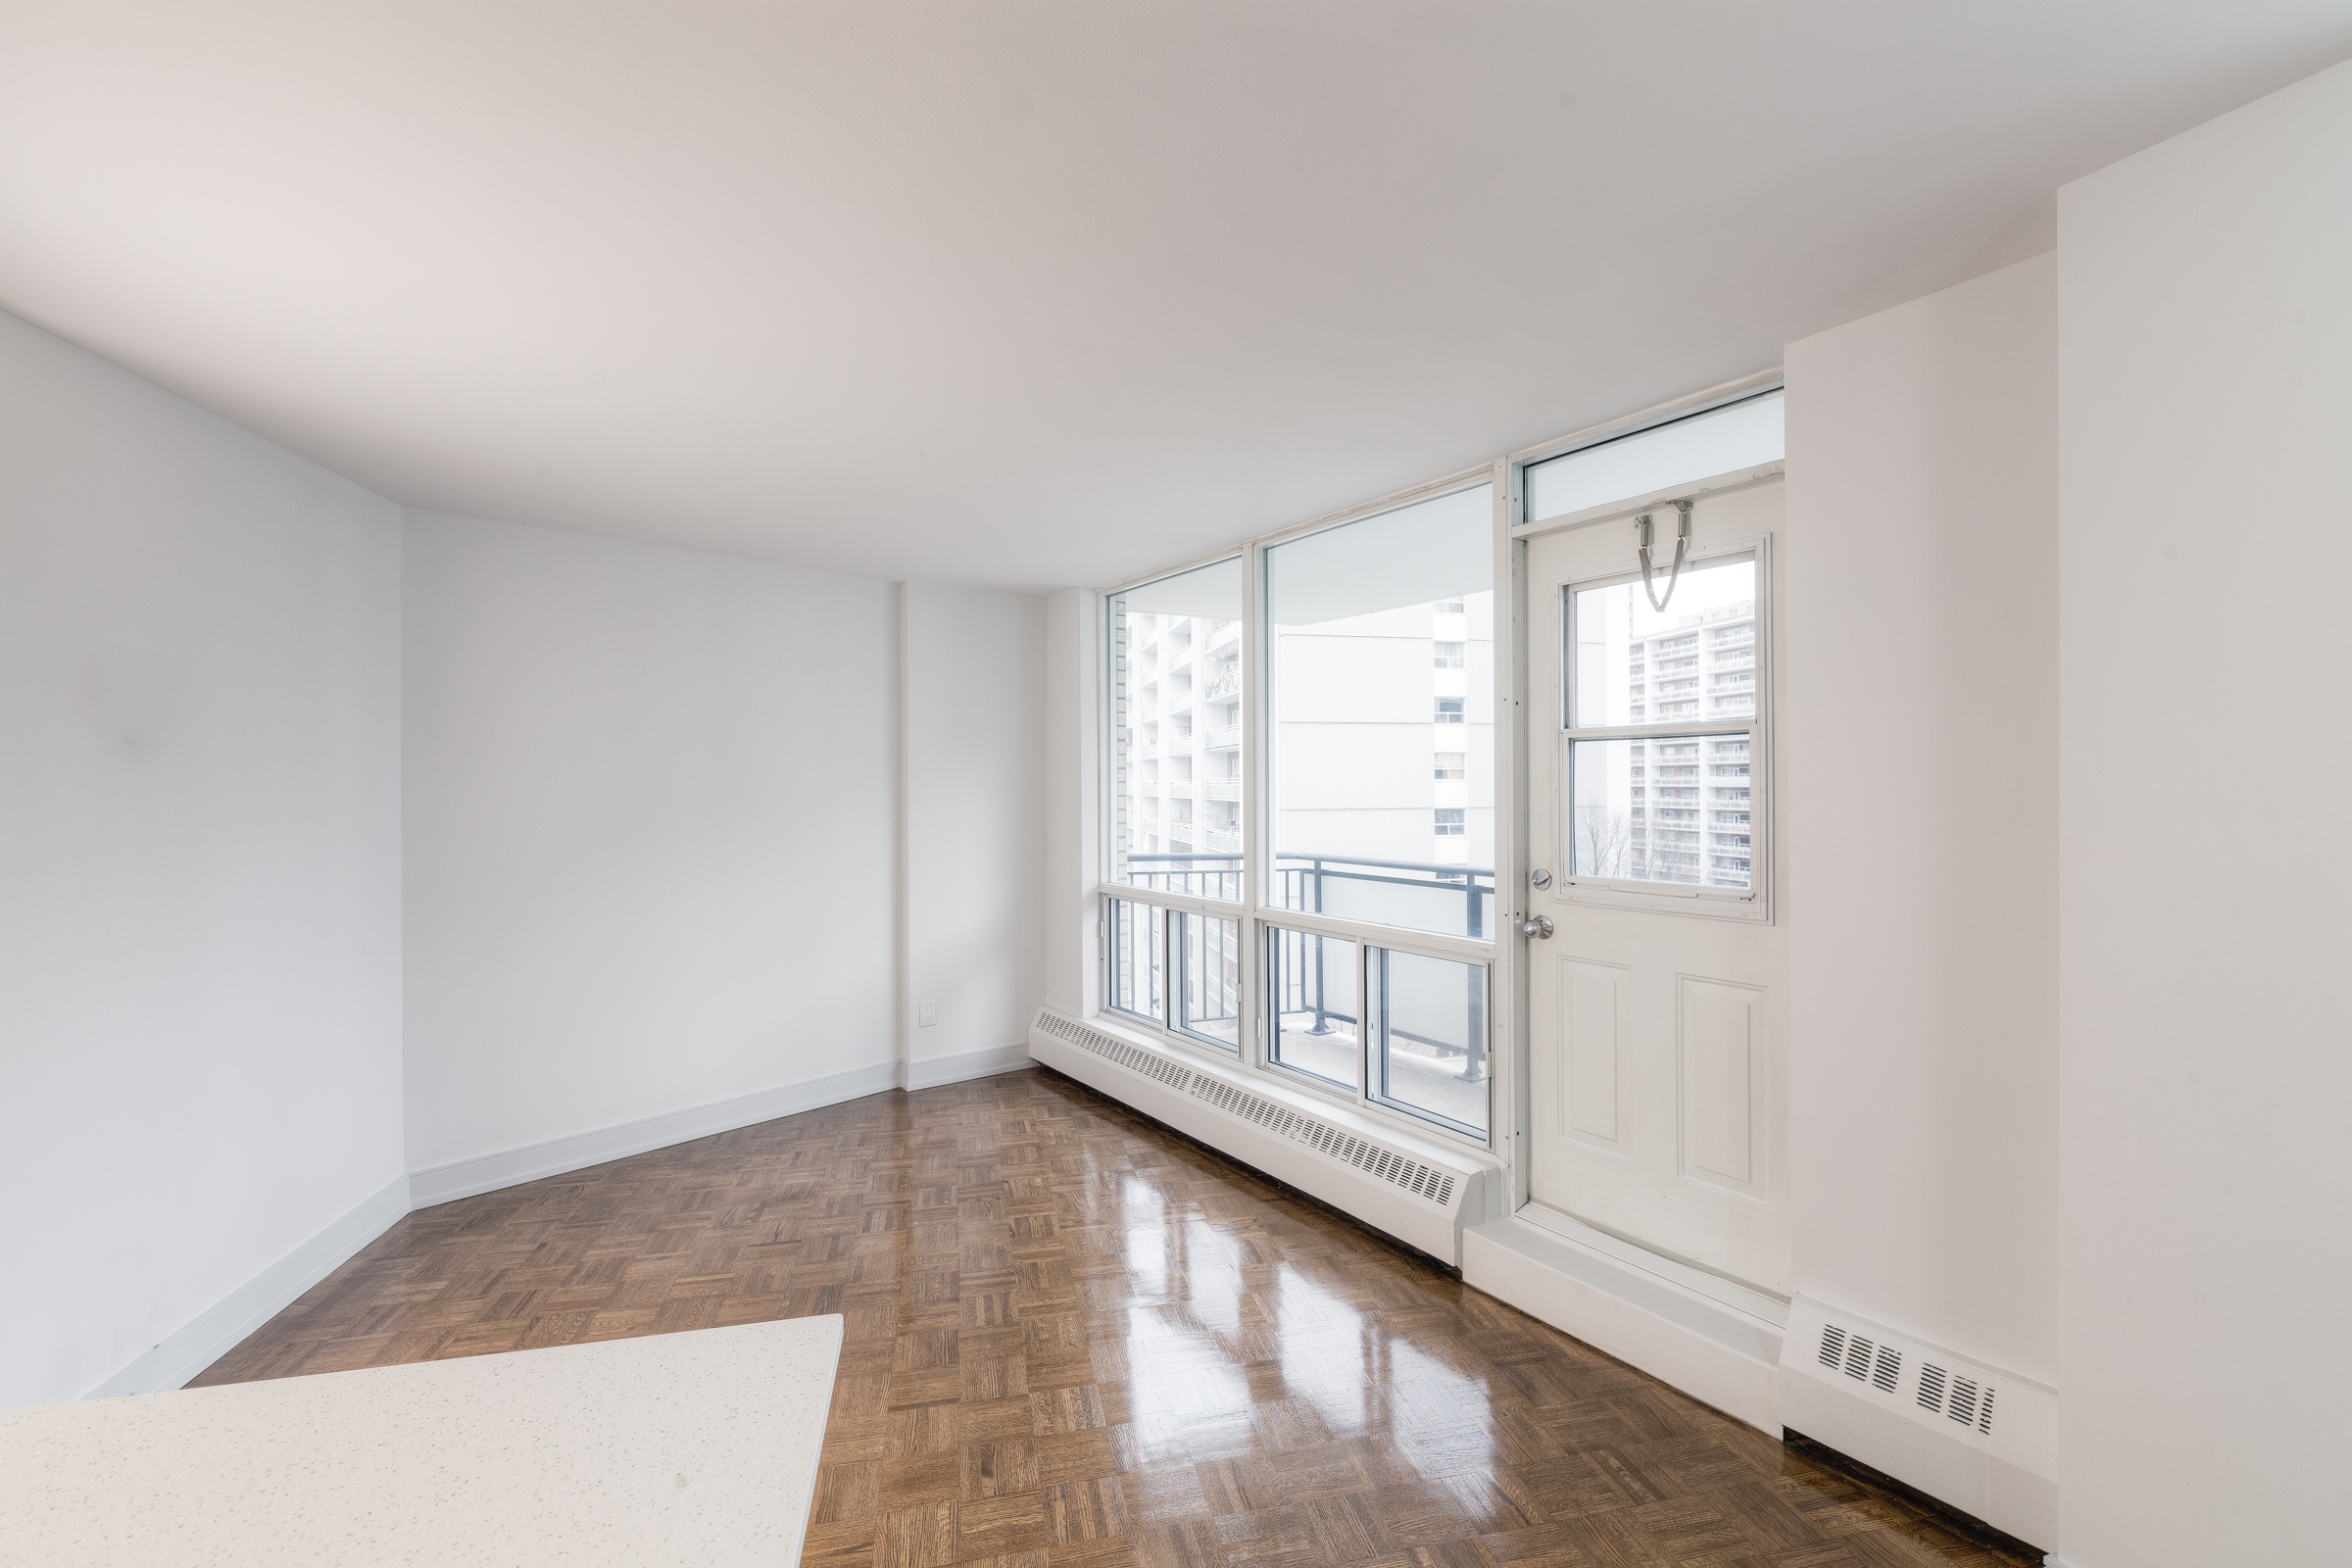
[(1134, 1058), (1961, 1398), (1374, 1161)]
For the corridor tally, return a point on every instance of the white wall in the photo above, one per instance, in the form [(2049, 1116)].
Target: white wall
[(976, 785), (1073, 789), (648, 807), (200, 1006), (1921, 785), (2205, 331)]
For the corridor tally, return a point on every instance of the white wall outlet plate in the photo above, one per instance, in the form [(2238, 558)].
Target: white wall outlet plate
[(926, 1013)]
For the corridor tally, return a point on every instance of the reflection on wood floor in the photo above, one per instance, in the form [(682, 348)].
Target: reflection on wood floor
[(1073, 1339)]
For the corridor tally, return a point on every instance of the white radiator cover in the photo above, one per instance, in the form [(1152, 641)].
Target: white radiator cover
[(1977, 1436), (1420, 1190)]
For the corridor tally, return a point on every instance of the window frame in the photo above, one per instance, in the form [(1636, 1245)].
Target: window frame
[(1255, 914), (1173, 963), (1108, 850), (1503, 950), (1753, 904), (1376, 1062)]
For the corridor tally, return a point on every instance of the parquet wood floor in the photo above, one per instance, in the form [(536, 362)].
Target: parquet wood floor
[(1074, 1341)]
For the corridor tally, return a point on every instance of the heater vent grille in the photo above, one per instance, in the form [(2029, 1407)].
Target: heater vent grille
[(1861, 1359), (1132, 1058), (1374, 1160), (1963, 1399)]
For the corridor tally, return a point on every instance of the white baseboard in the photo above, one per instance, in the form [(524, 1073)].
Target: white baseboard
[(1708, 1347), (971, 1064), (486, 1173), (217, 1329)]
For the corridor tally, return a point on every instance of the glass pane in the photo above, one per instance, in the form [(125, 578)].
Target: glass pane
[(1380, 713), (1311, 980), (1176, 722), (1209, 978), (1672, 809), (1696, 662), (1742, 435), (1429, 1037), (1134, 949)]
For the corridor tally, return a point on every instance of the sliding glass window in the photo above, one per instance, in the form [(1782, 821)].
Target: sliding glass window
[(1310, 998), (1137, 934), (1206, 962), (1380, 677), (1426, 1020), (1176, 725)]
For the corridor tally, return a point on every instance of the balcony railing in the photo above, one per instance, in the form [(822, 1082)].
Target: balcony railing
[(1223, 740), (1413, 895), (1221, 789)]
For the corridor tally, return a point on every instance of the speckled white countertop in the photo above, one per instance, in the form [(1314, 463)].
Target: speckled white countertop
[(698, 1447)]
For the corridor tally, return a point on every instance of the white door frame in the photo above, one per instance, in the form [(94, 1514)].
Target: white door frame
[(1512, 529)]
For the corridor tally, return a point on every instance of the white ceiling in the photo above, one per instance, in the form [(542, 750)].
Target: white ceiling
[(1028, 294)]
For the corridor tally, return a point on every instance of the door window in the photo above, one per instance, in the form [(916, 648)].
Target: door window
[(1663, 727)]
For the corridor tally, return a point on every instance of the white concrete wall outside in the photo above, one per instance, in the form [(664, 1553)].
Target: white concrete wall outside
[(2204, 333), (200, 1002)]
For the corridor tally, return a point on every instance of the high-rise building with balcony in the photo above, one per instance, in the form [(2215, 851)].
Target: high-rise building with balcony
[(1689, 795), (1183, 721)]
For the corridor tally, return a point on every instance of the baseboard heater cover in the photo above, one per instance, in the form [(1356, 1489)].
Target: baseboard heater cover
[(1974, 1437), (1421, 1193)]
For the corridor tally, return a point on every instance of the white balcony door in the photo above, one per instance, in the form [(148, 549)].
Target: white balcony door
[(1658, 1034)]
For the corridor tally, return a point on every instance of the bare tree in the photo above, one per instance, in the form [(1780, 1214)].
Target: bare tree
[(1603, 842)]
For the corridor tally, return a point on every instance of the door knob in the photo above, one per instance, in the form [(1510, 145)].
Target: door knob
[(1539, 926)]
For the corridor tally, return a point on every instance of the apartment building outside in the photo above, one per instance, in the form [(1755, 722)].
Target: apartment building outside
[(1688, 814)]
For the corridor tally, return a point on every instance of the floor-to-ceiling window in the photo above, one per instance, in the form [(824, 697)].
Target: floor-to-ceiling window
[(1174, 663), (1300, 865)]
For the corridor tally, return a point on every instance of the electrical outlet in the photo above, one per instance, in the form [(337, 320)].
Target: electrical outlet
[(926, 1013)]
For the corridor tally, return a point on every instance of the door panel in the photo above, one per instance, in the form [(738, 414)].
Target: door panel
[(1722, 1054), (1658, 1075), (1589, 1045)]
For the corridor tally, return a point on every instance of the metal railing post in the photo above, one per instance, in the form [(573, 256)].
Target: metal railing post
[(1322, 1019), (1474, 1072)]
